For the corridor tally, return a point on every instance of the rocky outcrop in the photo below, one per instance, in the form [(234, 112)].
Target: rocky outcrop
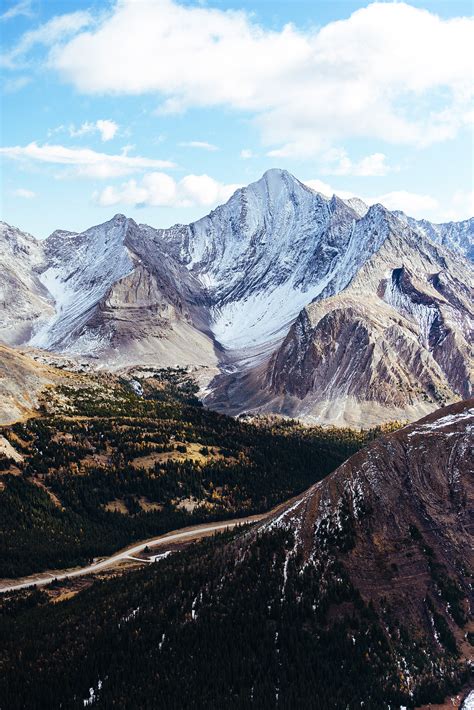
[(401, 511), (140, 320), (398, 516)]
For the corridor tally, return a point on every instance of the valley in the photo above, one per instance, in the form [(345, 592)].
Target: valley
[(100, 466)]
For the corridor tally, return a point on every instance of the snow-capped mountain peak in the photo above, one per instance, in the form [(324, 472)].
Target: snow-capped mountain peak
[(228, 287)]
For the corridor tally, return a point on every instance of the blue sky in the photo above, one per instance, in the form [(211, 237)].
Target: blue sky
[(160, 109)]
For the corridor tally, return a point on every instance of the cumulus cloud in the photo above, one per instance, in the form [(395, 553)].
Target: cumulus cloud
[(84, 162), (412, 203), (337, 162), (157, 189), (327, 190), (202, 145), (246, 154), (105, 127), (462, 206), (25, 194), (390, 71)]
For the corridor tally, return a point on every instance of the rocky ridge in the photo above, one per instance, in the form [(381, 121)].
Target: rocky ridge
[(237, 289)]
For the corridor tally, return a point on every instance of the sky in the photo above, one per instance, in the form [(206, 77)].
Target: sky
[(160, 109)]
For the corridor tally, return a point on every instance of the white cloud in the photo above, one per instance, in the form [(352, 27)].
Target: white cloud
[(337, 162), (454, 208), (26, 194), (327, 190), (53, 32), (412, 203), (462, 206), (84, 129), (246, 154), (22, 8), (160, 190), (390, 71), (203, 145), (105, 127), (84, 162)]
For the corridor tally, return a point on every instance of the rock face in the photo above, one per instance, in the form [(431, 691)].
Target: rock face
[(458, 236), (24, 300), (397, 519), (268, 287), (411, 491), (117, 299), (394, 344)]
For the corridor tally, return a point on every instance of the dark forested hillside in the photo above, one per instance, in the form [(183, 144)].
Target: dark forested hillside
[(173, 638), (112, 461), (356, 595)]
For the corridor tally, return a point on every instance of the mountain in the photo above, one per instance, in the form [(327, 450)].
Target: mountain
[(355, 595), (274, 247), (393, 344), (229, 294), (458, 236), (25, 301), (116, 300)]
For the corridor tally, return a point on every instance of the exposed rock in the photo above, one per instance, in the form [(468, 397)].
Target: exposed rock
[(458, 236), (22, 380), (394, 344), (227, 291), (24, 301)]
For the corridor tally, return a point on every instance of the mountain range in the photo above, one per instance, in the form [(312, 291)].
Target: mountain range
[(281, 301)]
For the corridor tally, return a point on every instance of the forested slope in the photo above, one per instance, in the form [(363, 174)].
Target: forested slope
[(112, 460)]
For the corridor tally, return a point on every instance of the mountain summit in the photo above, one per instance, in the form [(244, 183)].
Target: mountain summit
[(300, 304)]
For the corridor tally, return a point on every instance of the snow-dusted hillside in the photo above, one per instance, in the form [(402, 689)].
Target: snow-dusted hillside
[(458, 236), (273, 248), (80, 270), (24, 301), (224, 290)]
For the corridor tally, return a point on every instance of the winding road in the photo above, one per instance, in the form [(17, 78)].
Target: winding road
[(184, 534)]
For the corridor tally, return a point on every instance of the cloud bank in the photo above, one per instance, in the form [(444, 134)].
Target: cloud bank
[(83, 162), (390, 71), (160, 190)]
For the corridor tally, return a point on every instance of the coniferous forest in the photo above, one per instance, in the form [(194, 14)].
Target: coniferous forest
[(104, 466), (217, 625), (239, 620)]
